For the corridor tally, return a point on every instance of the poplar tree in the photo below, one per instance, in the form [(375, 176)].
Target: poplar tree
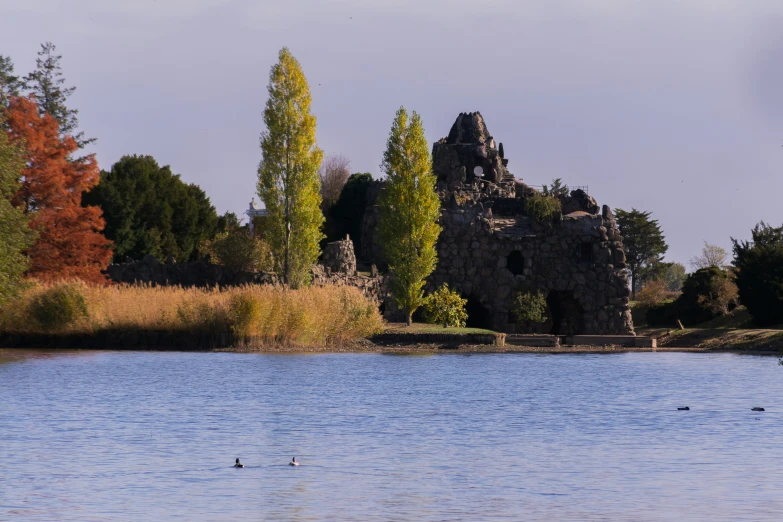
[(409, 211), (288, 180)]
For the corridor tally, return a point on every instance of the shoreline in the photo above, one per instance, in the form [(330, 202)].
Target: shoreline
[(395, 341), (407, 349)]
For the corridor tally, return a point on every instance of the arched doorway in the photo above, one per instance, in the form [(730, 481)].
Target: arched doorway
[(565, 313), (478, 314)]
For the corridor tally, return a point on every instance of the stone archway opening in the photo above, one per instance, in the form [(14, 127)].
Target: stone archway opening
[(478, 314), (565, 313)]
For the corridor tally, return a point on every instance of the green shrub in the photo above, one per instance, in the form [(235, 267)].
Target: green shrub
[(239, 251), (652, 293), (721, 297), (702, 291), (690, 305), (445, 307), (661, 314), (59, 307), (529, 307), (541, 208), (558, 188)]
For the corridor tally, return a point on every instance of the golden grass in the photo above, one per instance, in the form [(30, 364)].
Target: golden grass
[(269, 315)]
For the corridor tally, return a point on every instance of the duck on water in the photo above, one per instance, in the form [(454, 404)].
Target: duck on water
[(293, 462), (239, 464)]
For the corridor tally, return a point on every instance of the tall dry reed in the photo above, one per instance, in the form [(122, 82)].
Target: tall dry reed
[(266, 314)]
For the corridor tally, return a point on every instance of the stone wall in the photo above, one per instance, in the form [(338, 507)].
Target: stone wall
[(204, 274), (578, 264), (374, 287), (195, 274)]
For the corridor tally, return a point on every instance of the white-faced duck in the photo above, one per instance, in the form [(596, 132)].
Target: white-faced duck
[(686, 408), (293, 462), (758, 409), (239, 464)]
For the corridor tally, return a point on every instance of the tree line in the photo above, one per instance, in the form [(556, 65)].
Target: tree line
[(716, 285), (44, 180), (62, 217)]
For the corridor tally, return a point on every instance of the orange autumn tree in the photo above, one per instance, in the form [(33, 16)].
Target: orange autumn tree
[(70, 243)]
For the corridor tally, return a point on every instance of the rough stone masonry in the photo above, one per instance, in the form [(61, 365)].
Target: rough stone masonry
[(490, 249)]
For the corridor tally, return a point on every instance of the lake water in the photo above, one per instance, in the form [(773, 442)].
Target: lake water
[(152, 436)]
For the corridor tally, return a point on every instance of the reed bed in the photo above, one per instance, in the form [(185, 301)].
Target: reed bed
[(265, 315)]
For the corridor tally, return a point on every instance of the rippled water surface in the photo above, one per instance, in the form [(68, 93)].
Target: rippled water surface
[(152, 436)]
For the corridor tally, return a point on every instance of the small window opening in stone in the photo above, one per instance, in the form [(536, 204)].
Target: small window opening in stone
[(515, 262), (586, 252)]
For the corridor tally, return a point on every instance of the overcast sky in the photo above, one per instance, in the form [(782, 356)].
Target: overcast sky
[(668, 106)]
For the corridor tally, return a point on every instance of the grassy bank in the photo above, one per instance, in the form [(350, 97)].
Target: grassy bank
[(729, 332), (399, 334), (721, 339), (257, 316), (434, 328)]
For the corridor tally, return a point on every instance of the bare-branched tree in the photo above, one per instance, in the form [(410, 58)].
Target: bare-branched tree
[(711, 255), (334, 173)]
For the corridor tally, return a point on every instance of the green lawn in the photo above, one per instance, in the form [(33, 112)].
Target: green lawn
[(422, 328)]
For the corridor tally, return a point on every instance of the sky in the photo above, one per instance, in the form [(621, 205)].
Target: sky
[(665, 106)]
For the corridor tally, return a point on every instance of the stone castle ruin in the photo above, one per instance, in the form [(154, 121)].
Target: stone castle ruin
[(490, 249)]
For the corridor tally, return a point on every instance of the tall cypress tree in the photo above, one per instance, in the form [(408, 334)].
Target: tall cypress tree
[(409, 210), (47, 84), (288, 180)]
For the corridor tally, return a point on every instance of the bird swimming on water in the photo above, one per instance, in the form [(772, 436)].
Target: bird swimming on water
[(686, 408), (757, 409), (239, 464), (293, 462)]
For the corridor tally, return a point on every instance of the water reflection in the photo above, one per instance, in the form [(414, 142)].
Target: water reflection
[(153, 435), (13, 355)]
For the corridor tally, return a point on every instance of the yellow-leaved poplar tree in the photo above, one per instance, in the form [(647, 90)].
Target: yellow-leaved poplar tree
[(288, 180), (409, 210)]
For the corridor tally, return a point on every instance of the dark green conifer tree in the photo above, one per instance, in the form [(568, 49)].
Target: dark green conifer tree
[(10, 84), (644, 244), (47, 83)]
